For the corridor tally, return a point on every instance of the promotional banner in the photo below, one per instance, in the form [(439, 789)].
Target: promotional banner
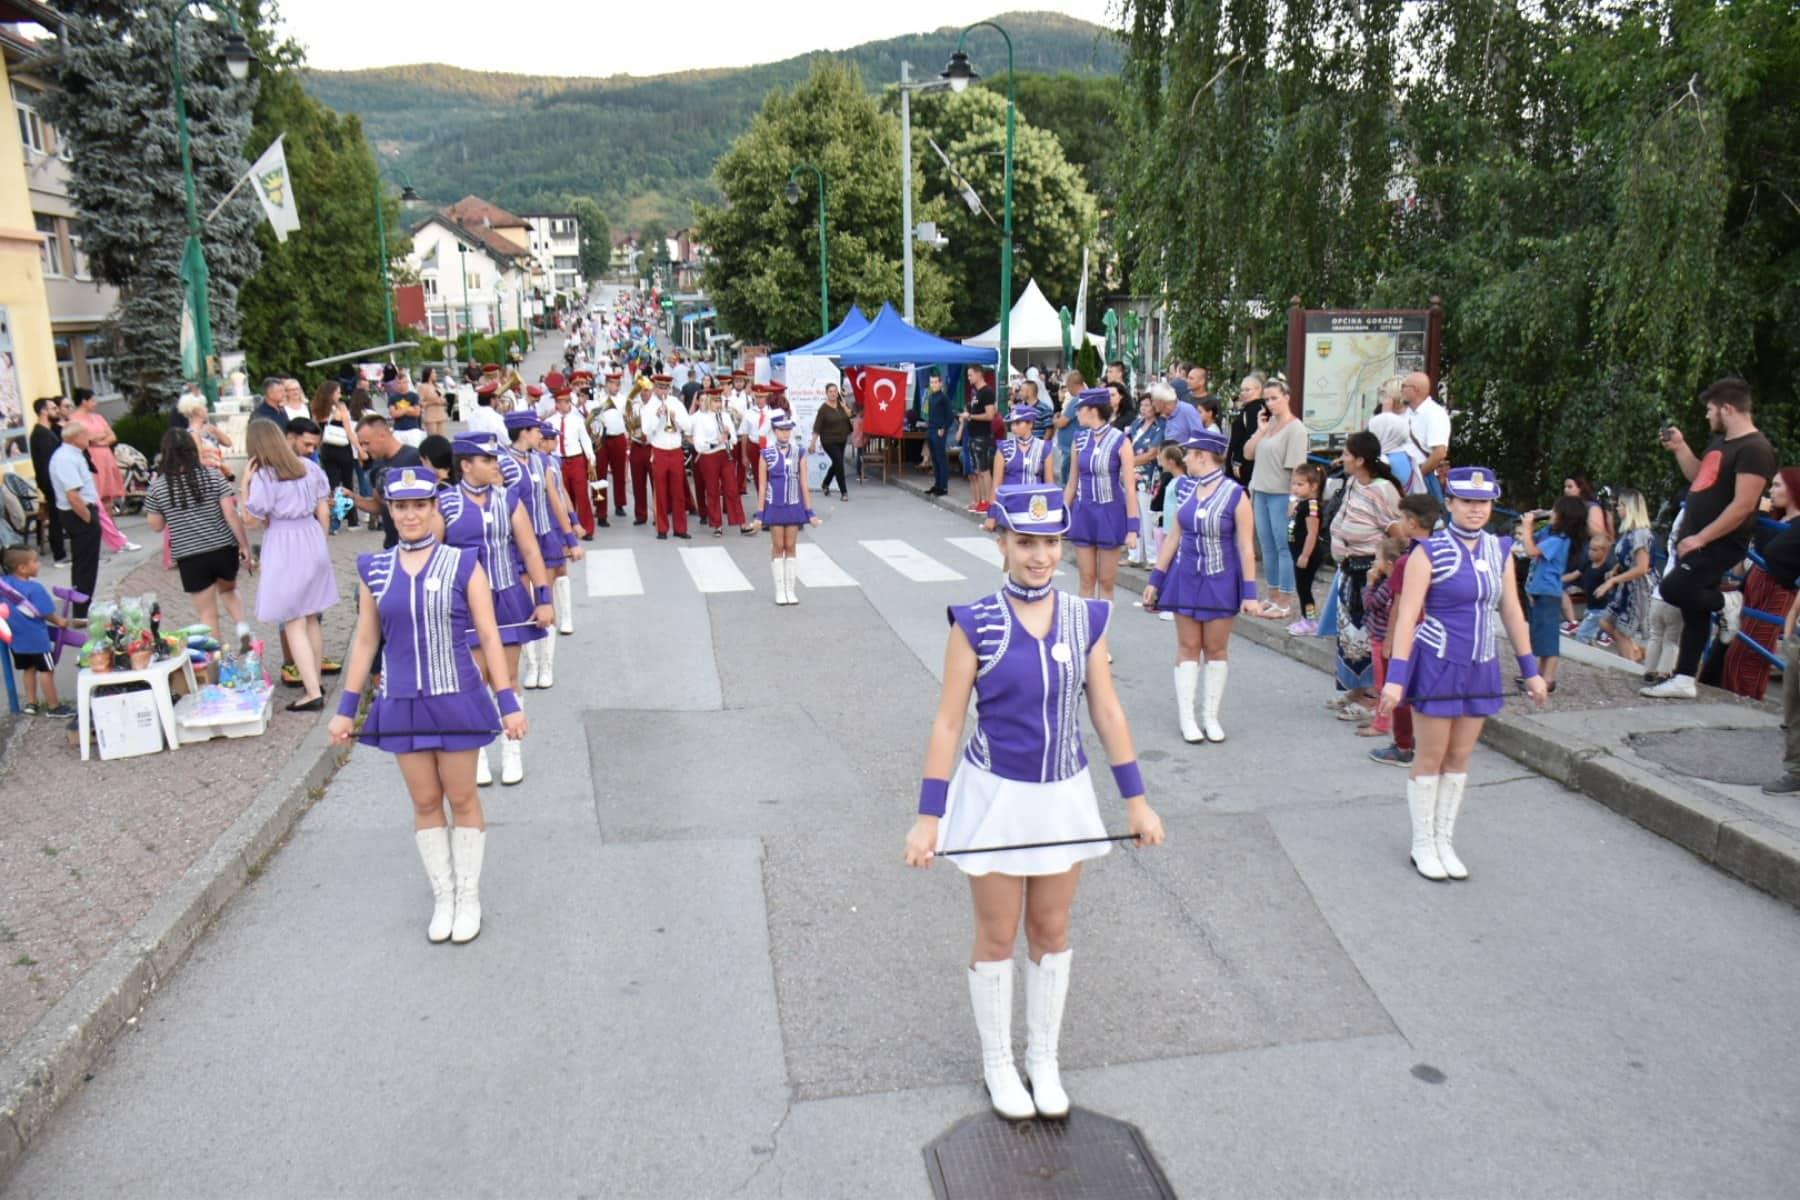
[(274, 187), (806, 376)]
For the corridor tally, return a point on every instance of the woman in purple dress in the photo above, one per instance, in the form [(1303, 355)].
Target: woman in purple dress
[(417, 603), (291, 497), (1205, 577), (538, 487), (1100, 495), (1445, 660), (786, 503), (483, 515), (1028, 654)]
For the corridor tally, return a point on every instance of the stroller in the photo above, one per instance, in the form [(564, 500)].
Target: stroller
[(136, 470)]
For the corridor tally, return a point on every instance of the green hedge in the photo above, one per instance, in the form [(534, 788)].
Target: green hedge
[(143, 431)]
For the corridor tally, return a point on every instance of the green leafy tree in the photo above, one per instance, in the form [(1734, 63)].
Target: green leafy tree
[(596, 237), (763, 273), (1085, 115), (116, 107)]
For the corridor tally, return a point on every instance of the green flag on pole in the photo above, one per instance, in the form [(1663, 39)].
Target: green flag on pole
[(196, 322)]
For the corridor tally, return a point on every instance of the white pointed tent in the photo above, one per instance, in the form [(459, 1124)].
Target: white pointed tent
[(1033, 326)]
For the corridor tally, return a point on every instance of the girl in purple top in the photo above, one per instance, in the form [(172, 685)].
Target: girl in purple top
[(785, 504), (1028, 654), (1444, 655), (1205, 577), (482, 515), (291, 497), (1023, 458), (417, 603), (539, 489), (1101, 494), (565, 531)]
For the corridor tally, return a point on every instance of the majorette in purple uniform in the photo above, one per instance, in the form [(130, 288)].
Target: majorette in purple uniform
[(1023, 458), (483, 514), (1200, 576), (537, 483), (1100, 494), (786, 503), (418, 602), (566, 531), (1443, 653), (1028, 654)]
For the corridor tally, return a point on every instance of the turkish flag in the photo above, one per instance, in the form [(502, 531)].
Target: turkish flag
[(882, 391)]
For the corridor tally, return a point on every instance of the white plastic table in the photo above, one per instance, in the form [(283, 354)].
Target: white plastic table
[(157, 675)]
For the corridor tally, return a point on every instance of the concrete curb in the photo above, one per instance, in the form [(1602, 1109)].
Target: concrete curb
[(1706, 824), (53, 1060)]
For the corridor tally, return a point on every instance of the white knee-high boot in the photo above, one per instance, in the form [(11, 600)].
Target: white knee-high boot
[(562, 593), (778, 573), (1450, 798), (546, 662), (467, 847), (484, 774), (990, 994), (434, 852), (528, 668), (512, 761), (1422, 802), (1187, 685), (1046, 987), (1212, 695), (793, 580)]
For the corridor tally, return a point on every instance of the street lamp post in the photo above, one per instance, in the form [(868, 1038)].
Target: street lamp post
[(960, 74), (907, 233), (238, 57), (793, 197), (407, 196), (462, 253)]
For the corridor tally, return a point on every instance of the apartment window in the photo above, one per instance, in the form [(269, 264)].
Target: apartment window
[(65, 365), (51, 251), (568, 262), (431, 286), (95, 350), (31, 126), (78, 261)]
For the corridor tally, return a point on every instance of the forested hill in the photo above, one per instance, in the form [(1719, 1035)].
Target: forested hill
[(642, 147)]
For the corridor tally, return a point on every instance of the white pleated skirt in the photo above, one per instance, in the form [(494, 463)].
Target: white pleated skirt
[(985, 809)]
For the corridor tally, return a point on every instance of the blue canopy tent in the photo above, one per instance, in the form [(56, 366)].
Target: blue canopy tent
[(853, 323), (890, 340)]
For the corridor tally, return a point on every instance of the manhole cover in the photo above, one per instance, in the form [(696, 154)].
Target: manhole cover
[(1087, 1155), (1741, 756)]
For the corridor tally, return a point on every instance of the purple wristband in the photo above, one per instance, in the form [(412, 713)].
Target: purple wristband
[(1131, 525), (1129, 779), (1156, 578), (809, 514), (569, 540), (508, 701), (1528, 665), (934, 796), (1246, 589), (1399, 670), (543, 596), (348, 703)]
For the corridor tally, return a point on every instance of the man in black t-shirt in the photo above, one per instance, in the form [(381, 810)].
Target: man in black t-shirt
[(1724, 485), (382, 451)]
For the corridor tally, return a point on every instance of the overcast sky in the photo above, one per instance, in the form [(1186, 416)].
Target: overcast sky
[(581, 37)]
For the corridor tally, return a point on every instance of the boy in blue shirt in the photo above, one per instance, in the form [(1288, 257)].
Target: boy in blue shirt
[(1551, 555), (31, 633)]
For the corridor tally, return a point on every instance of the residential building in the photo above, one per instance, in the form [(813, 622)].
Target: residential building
[(27, 349), (477, 271), (556, 248)]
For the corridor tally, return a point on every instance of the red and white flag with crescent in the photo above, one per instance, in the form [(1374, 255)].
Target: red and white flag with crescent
[(882, 392)]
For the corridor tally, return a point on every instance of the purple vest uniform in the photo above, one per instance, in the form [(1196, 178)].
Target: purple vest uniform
[(487, 530), (1029, 692), (1022, 463), (1455, 652), (533, 491), (781, 502), (1205, 580), (1098, 518)]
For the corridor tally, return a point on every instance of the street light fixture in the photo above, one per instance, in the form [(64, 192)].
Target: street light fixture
[(907, 88), (407, 196), (793, 197), (960, 73), (238, 57)]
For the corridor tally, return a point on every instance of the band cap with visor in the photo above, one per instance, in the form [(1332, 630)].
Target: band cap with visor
[(470, 444), (1031, 508), (1473, 483), (1209, 440), (410, 483)]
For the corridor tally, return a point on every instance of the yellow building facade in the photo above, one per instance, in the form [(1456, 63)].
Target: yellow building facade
[(27, 349)]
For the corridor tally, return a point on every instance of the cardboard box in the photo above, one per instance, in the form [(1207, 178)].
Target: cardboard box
[(126, 725)]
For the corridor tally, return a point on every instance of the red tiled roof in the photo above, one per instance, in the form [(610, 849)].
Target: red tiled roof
[(474, 211)]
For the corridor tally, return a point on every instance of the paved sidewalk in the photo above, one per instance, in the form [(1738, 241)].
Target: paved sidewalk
[(1688, 770)]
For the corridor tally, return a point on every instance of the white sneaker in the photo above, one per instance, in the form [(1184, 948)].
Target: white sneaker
[(512, 761), (1731, 618), (132, 546), (1675, 687)]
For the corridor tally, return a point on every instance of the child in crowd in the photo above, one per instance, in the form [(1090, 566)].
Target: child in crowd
[(31, 643), (1551, 555), (1378, 604), (1419, 517), (1173, 461), (1600, 566), (1304, 509)]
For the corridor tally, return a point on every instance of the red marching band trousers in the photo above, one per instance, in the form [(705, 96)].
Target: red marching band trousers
[(575, 482), (718, 471), (669, 475), (640, 480), (612, 457)]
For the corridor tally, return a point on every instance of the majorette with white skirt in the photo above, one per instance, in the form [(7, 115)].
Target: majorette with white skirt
[(786, 503), (536, 479), (1205, 577), (483, 515), (418, 602), (1027, 653), (1444, 660), (1101, 494)]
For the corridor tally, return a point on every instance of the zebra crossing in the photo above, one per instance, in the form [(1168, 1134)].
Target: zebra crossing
[(711, 570)]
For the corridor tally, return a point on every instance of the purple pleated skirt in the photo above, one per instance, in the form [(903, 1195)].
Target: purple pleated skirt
[(1188, 593), (512, 612), (784, 514), (1098, 525), (1467, 689), (459, 721), (550, 545)]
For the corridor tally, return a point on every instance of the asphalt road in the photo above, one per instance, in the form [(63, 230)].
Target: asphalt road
[(704, 971)]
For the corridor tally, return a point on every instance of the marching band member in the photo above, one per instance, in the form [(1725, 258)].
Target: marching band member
[(738, 404), (1205, 577), (1103, 505), (483, 515), (537, 396), (753, 433), (607, 422), (666, 423), (573, 451), (1023, 458), (417, 600), (1028, 653), (1457, 581), (486, 418), (785, 504), (715, 441), (639, 451)]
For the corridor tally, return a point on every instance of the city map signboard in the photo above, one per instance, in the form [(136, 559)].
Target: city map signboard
[(1339, 358)]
